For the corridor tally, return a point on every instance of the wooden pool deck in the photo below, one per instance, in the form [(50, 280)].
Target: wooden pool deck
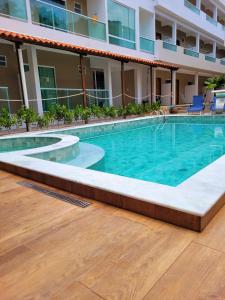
[(50, 249)]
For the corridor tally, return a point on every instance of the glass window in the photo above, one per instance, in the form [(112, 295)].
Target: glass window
[(3, 61), (14, 8), (77, 8), (121, 25)]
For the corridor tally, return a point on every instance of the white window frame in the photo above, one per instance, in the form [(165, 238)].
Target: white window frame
[(81, 10), (5, 59)]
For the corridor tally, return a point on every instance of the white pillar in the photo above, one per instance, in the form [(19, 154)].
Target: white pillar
[(108, 81), (23, 78), (198, 4), (196, 84), (198, 42), (215, 13), (174, 33), (138, 85), (28, 8), (35, 92), (137, 29), (174, 82), (214, 49)]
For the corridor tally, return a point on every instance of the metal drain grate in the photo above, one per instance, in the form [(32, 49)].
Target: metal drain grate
[(54, 194)]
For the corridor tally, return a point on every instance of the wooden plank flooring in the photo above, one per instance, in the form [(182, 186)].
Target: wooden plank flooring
[(50, 249)]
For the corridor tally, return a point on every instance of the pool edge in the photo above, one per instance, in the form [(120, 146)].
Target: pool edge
[(155, 211)]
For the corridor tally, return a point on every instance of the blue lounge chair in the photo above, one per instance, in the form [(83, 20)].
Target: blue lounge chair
[(197, 105)]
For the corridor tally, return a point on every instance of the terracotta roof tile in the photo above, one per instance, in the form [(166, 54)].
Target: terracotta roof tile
[(19, 37)]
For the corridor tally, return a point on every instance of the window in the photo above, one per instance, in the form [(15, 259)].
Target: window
[(26, 68), (77, 8), (3, 61), (121, 25)]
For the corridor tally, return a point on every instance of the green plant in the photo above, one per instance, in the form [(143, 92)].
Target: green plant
[(26, 115), (122, 111), (58, 111), (68, 117), (97, 111), (112, 113), (214, 83), (77, 112), (45, 120), (86, 114), (6, 120)]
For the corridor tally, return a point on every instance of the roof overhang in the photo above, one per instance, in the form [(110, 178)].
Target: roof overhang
[(29, 39)]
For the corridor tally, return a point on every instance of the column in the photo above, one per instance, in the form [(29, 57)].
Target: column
[(28, 8), (214, 49), (198, 42), (35, 91), (137, 28), (108, 81), (196, 84), (138, 85), (173, 86), (215, 13), (174, 33), (198, 4), (22, 75)]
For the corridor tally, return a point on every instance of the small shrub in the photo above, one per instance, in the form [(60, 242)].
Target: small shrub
[(86, 114), (77, 112), (27, 115), (68, 117), (97, 111), (6, 120), (45, 120)]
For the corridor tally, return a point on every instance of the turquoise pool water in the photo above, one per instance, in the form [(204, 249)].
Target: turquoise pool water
[(24, 143), (163, 153)]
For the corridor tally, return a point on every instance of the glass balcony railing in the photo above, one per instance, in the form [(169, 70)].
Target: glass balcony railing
[(73, 97), (192, 7), (14, 9), (52, 16), (210, 58), (211, 20), (191, 52), (222, 61), (169, 46), (147, 45)]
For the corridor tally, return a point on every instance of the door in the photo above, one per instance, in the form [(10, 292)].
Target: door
[(99, 88), (48, 86)]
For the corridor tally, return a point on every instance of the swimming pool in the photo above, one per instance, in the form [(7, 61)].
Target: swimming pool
[(173, 171), (166, 153)]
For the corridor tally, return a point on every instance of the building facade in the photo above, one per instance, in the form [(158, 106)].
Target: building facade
[(185, 36)]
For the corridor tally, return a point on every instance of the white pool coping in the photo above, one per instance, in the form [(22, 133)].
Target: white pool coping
[(196, 195)]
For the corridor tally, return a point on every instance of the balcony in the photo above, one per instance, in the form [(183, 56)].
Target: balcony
[(52, 16), (73, 97), (147, 45), (192, 7), (15, 9), (191, 52), (210, 58), (211, 20), (169, 46)]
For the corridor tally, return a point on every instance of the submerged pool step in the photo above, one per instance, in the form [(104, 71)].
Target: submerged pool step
[(57, 195)]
